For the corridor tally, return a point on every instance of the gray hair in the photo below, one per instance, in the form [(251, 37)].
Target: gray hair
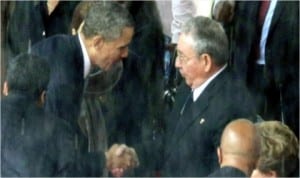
[(209, 37), (108, 19)]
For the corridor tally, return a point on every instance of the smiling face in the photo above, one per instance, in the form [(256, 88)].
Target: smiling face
[(107, 53)]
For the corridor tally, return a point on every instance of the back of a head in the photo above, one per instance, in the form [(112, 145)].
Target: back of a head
[(279, 150), (240, 144), (209, 37), (106, 18), (28, 74)]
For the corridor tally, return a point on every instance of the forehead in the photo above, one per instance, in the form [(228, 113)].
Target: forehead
[(185, 44)]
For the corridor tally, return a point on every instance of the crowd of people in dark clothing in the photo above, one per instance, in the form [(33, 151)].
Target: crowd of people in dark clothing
[(96, 88)]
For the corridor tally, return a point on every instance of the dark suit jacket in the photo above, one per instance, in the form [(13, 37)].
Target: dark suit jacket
[(64, 93), (33, 143), (281, 53), (227, 171), (65, 89), (193, 137)]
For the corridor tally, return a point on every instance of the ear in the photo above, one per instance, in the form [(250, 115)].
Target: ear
[(98, 42), (5, 88), (206, 58), (219, 152), (43, 97)]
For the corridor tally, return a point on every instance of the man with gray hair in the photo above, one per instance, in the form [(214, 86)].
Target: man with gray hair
[(211, 98), (103, 42)]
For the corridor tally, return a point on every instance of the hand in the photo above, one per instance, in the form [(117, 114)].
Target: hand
[(120, 158)]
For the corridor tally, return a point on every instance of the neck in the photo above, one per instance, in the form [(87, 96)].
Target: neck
[(239, 163)]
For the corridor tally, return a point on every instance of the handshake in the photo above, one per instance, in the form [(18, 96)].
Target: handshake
[(121, 158)]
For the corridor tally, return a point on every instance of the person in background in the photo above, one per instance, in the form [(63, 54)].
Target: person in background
[(279, 156), (263, 56), (183, 10), (209, 99), (30, 138), (239, 149), (103, 42), (38, 20)]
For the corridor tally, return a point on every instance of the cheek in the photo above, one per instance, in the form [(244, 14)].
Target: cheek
[(190, 73), (114, 54)]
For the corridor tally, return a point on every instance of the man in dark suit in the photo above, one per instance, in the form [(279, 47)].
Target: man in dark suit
[(195, 125), (239, 149), (265, 54), (32, 142), (107, 31)]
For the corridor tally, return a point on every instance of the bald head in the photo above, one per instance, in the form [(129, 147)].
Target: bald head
[(239, 145)]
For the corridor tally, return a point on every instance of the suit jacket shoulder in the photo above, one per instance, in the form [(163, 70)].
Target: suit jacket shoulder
[(64, 92)]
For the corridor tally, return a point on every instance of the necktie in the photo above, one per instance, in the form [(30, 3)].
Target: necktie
[(187, 103), (263, 11)]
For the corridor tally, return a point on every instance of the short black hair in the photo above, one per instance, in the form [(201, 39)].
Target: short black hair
[(28, 74)]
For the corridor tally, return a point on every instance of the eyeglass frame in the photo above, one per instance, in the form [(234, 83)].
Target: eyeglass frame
[(183, 59)]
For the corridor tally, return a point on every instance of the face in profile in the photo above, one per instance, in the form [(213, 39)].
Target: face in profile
[(111, 52), (188, 62)]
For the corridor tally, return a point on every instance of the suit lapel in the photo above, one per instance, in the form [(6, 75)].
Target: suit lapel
[(277, 13)]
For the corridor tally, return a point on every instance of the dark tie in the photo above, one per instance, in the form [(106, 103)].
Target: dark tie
[(187, 103)]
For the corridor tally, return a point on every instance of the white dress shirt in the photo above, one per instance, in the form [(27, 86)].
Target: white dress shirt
[(86, 59), (199, 90), (265, 32)]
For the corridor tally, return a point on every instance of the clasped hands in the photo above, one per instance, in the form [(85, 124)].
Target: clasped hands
[(121, 158)]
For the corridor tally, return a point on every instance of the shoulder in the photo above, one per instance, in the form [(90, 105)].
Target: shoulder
[(56, 39), (53, 43), (59, 50)]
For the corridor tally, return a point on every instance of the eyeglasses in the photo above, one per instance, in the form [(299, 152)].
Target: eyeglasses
[(182, 58)]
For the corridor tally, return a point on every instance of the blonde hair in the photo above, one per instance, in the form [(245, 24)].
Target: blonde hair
[(279, 148)]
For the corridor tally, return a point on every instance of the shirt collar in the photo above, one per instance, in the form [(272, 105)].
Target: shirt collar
[(199, 90), (86, 59)]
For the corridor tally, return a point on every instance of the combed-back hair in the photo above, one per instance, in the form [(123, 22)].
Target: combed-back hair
[(108, 19), (209, 37), (28, 74), (279, 149)]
